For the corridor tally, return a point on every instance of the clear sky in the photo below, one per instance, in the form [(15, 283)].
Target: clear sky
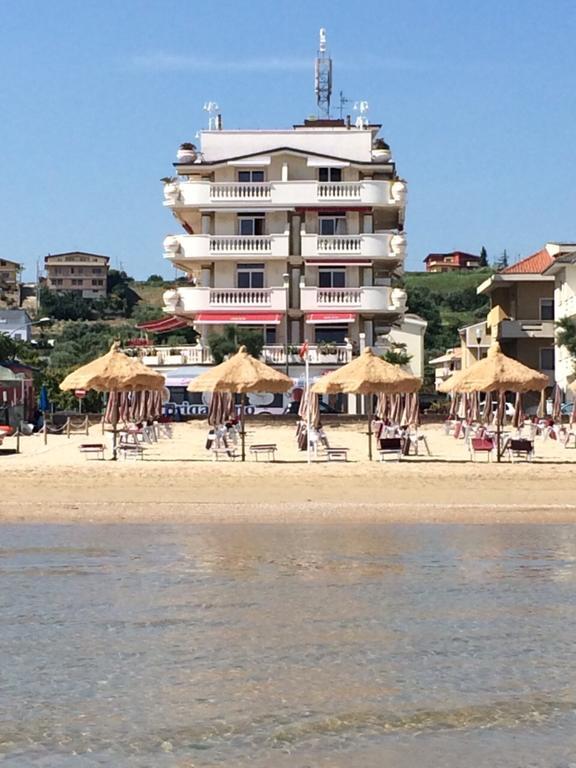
[(477, 100)]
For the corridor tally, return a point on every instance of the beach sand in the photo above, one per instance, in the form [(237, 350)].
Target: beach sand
[(178, 482)]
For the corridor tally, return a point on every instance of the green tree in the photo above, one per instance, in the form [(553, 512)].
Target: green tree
[(397, 355), (483, 258), (225, 344), (502, 262), (566, 335)]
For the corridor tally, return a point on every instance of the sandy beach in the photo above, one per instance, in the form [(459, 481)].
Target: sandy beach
[(178, 481)]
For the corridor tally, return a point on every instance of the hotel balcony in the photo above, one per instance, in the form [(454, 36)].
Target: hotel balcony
[(283, 194), (364, 299), (527, 329), (376, 245), (159, 356), (182, 248), (184, 301)]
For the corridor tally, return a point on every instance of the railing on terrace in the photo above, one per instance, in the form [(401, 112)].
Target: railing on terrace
[(240, 191), (339, 243), (275, 354), (339, 296), (240, 297), (241, 244), (340, 190)]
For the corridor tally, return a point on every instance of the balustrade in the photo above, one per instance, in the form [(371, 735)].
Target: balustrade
[(241, 244), (240, 191), (339, 296), (240, 297), (340, 190)]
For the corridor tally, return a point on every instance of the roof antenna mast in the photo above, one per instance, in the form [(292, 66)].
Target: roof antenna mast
[(323, 77)]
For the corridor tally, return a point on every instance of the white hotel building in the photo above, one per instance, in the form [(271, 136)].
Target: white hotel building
[(297, 233)]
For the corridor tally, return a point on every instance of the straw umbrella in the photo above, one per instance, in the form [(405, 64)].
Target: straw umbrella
[(368, 374), (496, 373), (115, 373), (241, 374)]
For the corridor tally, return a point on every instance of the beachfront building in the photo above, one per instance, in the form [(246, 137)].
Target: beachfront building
[(455, 261), (295, 233), (525, 293), (563, 272), (446, 365), (79, 272), (9, 282)]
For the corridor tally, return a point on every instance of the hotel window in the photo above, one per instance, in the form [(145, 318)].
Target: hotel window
[(251, 225), (546, 309), (331, 224), (250, 177), (546, 358), (336, 334), (329, 174), (250, 276), (331, 277)]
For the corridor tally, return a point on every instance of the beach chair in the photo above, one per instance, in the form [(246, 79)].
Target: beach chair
[(519, 449), (319, 443), (390, 446), (93, 449), (266, 449), (481, 445)]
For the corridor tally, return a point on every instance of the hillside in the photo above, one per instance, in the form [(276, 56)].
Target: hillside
[(448, 301)]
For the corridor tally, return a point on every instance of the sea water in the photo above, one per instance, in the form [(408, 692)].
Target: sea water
[(288, 645)]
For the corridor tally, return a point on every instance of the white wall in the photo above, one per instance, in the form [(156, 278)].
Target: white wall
[(411, 333)]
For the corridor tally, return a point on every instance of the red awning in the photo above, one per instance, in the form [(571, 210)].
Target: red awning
[(330, 317), (163, 325), (238, 318)]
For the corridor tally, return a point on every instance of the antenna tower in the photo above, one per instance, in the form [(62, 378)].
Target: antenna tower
[(212, 108), (323, 77)]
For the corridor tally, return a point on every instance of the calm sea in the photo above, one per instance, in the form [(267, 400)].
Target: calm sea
[(273, 645)]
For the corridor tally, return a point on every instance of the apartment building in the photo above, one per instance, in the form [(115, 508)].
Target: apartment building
[(295, 233), (77, 271), (563, 271), (526, 297), (10, 281)]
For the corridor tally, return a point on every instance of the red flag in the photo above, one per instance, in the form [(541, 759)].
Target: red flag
[(303, 351)]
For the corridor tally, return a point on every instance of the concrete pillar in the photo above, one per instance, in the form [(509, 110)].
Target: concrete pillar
[(206, 224), (284, 171)]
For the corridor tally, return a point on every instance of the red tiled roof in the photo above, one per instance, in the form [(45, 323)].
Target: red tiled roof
[(531, 265)]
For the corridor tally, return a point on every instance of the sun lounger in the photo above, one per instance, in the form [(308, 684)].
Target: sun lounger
[(481, 445), (128, 450), (267, 449), (336, 454), (228, 453), (96, 449), (390, 446)]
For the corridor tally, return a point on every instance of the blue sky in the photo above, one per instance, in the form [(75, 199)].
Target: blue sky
[(476, 99)]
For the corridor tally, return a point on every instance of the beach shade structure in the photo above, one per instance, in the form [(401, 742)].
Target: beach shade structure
[(115, 373), (221, 409), (496, 373), (369, 375), (241, 374)]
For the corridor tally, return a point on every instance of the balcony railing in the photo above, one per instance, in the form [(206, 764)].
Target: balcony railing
[(370, 245), (182, 247), (198, 193), (366, 299), (272, 354), (200, 299), (240, 191)]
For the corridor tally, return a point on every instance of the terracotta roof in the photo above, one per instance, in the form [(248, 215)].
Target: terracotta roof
[(452, 253), (531, 265)]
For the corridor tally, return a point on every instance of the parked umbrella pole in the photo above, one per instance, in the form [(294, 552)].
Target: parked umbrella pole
[(116, 397), (369, 411), (242, 428)]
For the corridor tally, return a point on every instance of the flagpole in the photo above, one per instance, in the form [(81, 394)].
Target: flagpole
[(309, 408)]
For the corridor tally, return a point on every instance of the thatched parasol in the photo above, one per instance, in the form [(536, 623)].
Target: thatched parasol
[(368, 374), (114, 372), (241, 373), (496, 373)]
